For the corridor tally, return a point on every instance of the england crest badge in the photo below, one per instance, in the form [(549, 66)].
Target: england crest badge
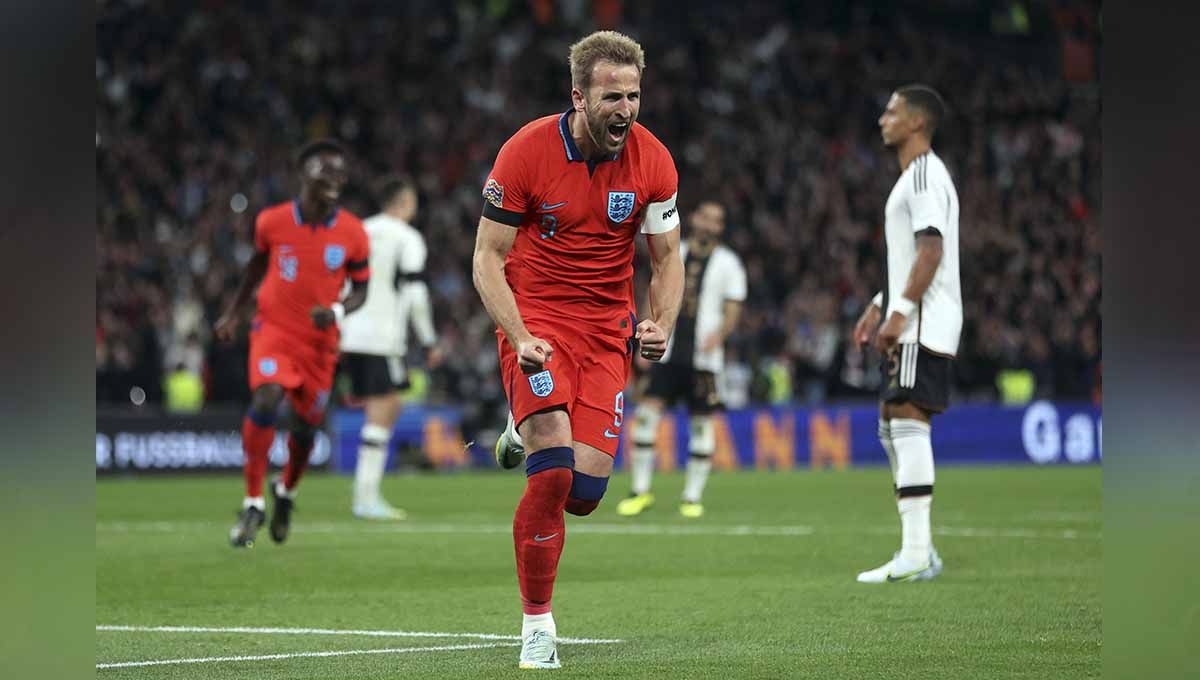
[(542, 383), (268, 366), (620, 205), (334, 256)]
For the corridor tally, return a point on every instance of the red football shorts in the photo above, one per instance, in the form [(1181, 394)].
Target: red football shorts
[(586, 375), (303, 367)]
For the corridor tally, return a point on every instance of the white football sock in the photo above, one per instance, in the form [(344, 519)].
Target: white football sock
[(255, 501), (532, 622), (700, 446), (645, 429), (914, 473), (282, 491), (372, 457), (914, 526), (885, 438), (698, 468)]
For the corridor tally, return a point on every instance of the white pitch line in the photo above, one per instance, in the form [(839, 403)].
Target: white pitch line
[(969, 532), (330, 631), (295, 655), (590, 528), (611, 529)]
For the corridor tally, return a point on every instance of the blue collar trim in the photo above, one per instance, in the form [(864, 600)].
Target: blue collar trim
[(328, 224), (573, 153)]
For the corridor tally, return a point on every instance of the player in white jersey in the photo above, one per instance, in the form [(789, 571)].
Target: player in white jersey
[(375, 340), (922, 304), (714, 289)]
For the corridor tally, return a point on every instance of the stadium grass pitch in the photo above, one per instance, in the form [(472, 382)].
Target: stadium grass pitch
[(761, 587)]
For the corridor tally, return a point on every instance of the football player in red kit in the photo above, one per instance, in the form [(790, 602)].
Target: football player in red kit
[(305, 249), (553, 264)]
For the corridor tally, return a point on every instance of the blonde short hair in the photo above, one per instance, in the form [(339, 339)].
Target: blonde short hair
[(609, 46)]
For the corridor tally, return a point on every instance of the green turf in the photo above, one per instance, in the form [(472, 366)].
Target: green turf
[(761, 587)]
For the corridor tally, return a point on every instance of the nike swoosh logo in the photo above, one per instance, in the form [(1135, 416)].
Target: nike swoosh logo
[(610, 435), (904, 577), (547, 207), (539, 538)]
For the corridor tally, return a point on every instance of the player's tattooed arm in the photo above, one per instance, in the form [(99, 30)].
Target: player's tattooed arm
[(492, 243), (665, 293), (256, 269)]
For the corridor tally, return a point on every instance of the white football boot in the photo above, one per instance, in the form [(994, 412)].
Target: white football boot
[(509, 454), (540, 650), (378, 510), (896, 570)]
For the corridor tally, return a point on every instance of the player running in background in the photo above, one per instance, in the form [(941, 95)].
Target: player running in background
[(919, 338), (305, 249), (375, 340), (713, 291), (553, 264)]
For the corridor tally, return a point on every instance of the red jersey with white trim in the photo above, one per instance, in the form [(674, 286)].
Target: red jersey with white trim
[(572, 259), (308, 266)]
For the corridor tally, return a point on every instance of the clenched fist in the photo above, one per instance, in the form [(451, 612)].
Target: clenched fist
[(652, 338)]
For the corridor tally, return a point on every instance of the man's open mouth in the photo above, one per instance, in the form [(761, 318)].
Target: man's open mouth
[(617, 131)]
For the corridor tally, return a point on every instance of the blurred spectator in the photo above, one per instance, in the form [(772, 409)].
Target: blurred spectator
[(769, 108), (183, 391)]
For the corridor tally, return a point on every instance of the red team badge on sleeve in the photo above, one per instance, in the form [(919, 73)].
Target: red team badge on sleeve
[(493, 192)]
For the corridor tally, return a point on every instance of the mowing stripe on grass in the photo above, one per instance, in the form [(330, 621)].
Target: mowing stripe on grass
[(295, 655), (599, 528), (330, 631)]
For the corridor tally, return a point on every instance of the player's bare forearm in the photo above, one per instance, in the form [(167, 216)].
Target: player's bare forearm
[(492, 244), (256, 269), (929, 256), (357, 297), (497, 296), (666, 279), (731, 311), (421, 312)]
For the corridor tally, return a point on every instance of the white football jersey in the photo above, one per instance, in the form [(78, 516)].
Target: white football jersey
[(924, 197), (394, 294), (723, 278)]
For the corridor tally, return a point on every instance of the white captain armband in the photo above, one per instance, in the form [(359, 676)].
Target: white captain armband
[(661, 217)]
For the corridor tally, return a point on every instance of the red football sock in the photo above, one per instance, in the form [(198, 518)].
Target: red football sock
[(538, 532), (256, 442), (298, 453)]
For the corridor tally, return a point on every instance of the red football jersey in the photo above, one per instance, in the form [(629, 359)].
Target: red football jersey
[(573, 254), (308, 266)]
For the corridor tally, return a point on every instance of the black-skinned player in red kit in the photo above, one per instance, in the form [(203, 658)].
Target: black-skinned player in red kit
[(305, 250)]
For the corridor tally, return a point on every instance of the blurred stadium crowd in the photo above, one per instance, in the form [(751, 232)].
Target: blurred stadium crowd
[(770, 108)]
